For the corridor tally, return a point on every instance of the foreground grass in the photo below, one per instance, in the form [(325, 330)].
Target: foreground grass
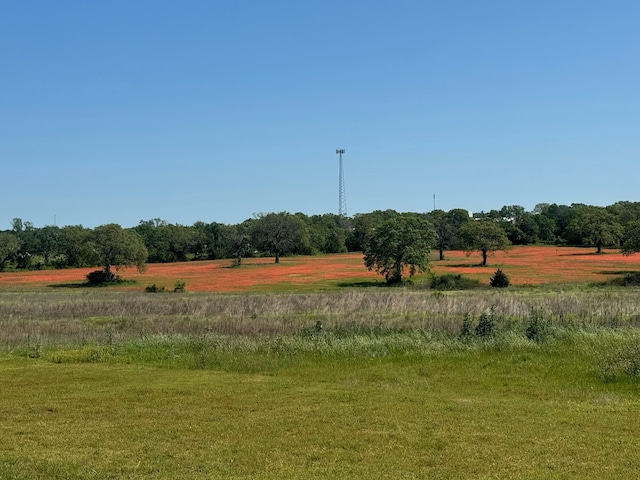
[(349, 405)]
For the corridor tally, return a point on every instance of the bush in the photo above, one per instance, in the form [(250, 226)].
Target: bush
[(180, 286), (630, 279), (499, 279), (453, 281), (100, 277), (486, 324), (153, 289), (538, 327), (467, 330)]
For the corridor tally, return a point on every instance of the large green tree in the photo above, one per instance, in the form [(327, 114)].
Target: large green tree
[(483, 235), (278, 233), (631, 242), (9, 246), (598, 227), (113, 247), (446, 225), (237, 240), (399, 243)]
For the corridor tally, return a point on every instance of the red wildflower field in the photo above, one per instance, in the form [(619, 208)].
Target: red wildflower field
[(523, 265), (542, 264)]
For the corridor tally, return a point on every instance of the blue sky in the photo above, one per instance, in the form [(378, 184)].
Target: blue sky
[(213, 111)]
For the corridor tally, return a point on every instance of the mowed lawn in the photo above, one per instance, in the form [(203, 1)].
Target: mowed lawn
[(523, 265), (521, 414)]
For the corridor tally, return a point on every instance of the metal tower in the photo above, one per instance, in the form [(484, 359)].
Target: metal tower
[(342, 200)]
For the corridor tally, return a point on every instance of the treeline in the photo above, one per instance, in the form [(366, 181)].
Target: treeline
[(26, 247)]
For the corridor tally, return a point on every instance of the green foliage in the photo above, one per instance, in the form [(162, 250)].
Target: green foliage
[(538, 327), (596, 226), (499, 279), (631, 242), (446, 225), (629, 279), (153, 289), (363, 223), (102, 277), (9, 246), (624, 361), (403, 241), (486, 324), (112, 246), (483, 235), (180, 286), (279, 233), (454, 281), (466, 331)]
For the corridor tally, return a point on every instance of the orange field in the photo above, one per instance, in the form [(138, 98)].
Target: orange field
[(523, 265)]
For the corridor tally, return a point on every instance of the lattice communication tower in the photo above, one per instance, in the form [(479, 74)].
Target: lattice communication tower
[(342, 199)]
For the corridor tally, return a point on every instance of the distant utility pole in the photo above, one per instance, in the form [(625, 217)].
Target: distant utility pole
[(342, 200), (434, 201)]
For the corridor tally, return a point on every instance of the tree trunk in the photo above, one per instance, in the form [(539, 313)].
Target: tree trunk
[(441, 251), (484, 257), (277, 256)]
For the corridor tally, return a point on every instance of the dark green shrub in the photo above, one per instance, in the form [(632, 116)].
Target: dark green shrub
[(630, 279), (467, 329), (153, 289), (453, 281), (499, 279), (486, 324), (100, 277), (538, 327)]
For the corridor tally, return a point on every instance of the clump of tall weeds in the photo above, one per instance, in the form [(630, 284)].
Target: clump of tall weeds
[(624, 361)]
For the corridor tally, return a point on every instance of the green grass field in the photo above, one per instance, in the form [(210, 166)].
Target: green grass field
[(377, 382)]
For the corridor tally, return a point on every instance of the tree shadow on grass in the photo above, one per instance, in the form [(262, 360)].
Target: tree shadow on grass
[(584, 254), (363, 283), (465, 265), (69, 285), (618, 272), (91, 285), (622, 278)]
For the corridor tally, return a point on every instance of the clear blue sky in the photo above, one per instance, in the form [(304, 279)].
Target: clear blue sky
[(119, 111)]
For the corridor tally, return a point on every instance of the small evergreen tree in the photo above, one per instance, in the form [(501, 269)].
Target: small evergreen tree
[(486, 324), (499, 279), (466, 331)]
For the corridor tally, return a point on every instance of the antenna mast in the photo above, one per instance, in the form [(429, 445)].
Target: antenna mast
[(342, 201)]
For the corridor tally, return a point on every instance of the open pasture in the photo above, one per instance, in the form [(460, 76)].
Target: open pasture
[(525, 265), (322, 380)]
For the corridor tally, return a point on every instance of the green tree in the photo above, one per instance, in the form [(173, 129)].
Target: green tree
[(29, 243), (631, 243), (483, 235), (49, 242), (326, 233), (625, 212), (9, 246), (362, 223), (278, 233), (446, 225), (560, 216), (598, 227), (72, 239), (401, 242), (113, 247), (237, 240), (209, 240)]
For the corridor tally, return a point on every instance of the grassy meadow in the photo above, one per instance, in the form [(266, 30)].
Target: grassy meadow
[(298, 371)]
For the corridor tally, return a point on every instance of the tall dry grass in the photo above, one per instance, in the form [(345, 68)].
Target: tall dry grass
[(98, 316)]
